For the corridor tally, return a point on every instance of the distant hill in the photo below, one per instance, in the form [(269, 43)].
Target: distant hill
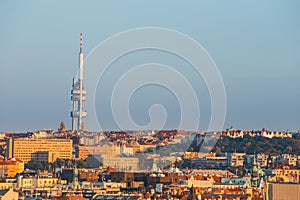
[(258, 144)]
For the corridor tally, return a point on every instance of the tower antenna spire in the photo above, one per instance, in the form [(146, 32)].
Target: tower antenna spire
[(80, 42), (78, 96)]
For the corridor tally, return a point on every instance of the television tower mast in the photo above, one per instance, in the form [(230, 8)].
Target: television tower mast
[(78, 95)]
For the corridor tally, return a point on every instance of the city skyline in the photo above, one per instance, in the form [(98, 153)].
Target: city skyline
[(254, 45)]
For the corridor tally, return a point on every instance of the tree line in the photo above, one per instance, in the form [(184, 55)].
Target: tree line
[(258, 144)]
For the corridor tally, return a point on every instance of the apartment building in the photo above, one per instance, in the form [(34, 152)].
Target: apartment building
[(49, 150)]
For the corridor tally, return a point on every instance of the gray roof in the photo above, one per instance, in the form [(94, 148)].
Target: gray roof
[(3, 192), (33, 198)]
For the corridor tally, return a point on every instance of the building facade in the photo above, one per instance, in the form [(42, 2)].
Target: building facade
[(121, 163), (237, 159), (49, 150), (10, 167)]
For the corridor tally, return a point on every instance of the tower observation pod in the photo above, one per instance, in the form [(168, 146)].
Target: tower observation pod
[(78, 96)]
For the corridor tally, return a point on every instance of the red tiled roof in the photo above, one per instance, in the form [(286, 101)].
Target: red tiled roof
[(76, 198), (69, 198)]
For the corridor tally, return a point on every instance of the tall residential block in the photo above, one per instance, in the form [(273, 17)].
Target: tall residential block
[(49, 150)]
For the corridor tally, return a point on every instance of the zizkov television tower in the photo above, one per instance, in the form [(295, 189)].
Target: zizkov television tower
[(78, 96)]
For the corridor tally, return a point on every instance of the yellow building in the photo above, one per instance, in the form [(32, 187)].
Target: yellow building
[(10, 167), (4, 185), (41, 182), (81, 152), (106, 149), (49, 150), (110, 149), (285, 174), (122, 163), (237, 159), (129, 149), (36, 182)]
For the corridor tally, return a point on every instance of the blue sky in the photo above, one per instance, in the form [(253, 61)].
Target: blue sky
[(256, 46)]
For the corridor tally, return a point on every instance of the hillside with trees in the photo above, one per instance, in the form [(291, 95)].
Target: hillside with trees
[(258, 144)]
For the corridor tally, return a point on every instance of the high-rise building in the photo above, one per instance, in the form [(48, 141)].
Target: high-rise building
[(49, 150), (78, 95), (282, 191)]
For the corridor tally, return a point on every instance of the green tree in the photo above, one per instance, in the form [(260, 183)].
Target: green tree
[(37, 165)]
